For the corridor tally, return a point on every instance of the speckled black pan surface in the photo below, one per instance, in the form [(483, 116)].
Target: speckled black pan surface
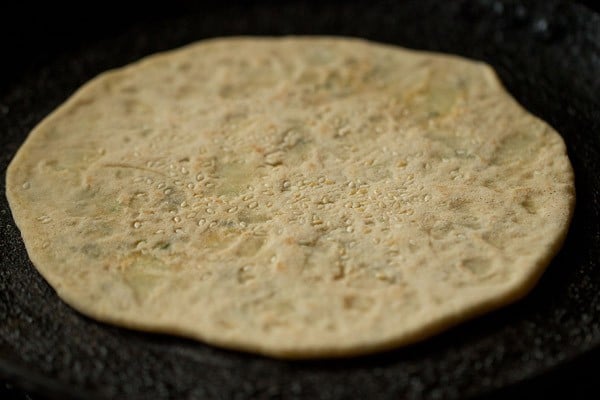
[(548, 55)]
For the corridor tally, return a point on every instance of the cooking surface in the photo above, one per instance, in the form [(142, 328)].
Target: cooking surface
[(547, 55)]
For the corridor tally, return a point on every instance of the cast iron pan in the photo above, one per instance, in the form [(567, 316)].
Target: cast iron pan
[(548, 55)]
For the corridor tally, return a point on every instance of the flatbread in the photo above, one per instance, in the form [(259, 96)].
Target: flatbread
[(296, 197)]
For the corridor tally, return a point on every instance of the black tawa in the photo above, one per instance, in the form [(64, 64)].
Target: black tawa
[(547, 53)]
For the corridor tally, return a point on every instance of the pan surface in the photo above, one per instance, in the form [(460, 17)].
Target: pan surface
[(548, 55)]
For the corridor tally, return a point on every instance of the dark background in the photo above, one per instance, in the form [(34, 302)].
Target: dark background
[(33, 35)]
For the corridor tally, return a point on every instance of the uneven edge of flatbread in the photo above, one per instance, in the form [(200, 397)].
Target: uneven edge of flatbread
[(511, 291)]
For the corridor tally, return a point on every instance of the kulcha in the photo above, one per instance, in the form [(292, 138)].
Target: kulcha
[(295, 197)]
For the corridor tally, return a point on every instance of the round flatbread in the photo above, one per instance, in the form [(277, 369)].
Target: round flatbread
[(295, 197)]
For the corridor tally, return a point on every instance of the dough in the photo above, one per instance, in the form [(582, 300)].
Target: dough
[(296, 197)]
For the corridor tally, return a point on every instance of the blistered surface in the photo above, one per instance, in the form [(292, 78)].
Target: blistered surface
[(297, 197)]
